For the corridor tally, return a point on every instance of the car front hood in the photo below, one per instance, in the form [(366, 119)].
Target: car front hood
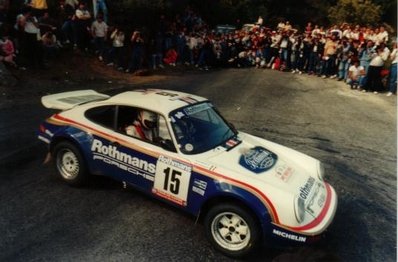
[(284, 175), (256, 160)]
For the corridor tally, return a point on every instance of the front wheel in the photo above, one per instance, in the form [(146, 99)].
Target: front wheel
[(232, 229), (70, 164)]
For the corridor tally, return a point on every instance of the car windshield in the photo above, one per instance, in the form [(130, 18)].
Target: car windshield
[(199, 128)]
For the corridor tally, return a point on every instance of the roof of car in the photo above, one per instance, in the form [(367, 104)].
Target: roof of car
[(156, 99)]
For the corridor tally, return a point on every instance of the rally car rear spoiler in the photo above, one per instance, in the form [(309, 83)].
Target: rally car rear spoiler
[(68, 100)]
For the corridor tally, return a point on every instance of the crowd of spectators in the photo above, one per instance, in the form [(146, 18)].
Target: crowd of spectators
[(351, 53), (358, 55)]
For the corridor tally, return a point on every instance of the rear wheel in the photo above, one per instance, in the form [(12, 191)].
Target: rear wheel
[(70, 164), (232, 229)]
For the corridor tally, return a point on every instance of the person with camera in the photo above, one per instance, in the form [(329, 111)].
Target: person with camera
[(31, 42), (81, 25)]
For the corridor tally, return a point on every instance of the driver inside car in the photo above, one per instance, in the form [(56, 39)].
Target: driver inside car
[(144, 127)]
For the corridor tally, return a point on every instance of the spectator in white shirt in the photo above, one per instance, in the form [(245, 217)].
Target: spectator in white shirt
[(355, 75), (116, 52), (99, 30), (382, 36), (373, 77)]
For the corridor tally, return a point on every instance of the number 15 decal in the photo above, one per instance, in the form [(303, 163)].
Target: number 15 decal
[(172, 180)]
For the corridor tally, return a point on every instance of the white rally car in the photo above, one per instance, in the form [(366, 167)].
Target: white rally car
[(246, 189)]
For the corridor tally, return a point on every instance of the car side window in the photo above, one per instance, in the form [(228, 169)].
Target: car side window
[(130, 123), (126, 116), (102, 115)]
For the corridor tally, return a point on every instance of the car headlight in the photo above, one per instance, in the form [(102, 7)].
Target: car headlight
[(299, 209), (320, 170)]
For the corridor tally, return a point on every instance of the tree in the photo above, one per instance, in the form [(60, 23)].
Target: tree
[(138, 13), (361, 12), (389, 11)]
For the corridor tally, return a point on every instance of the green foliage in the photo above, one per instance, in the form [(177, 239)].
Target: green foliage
[(361, 12), (145, 13), (389, 11), (228, 11)]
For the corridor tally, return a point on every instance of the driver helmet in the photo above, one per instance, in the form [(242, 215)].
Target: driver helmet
[(148, 119)]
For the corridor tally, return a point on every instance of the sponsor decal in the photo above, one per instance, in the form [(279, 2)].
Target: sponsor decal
[(306, 189), (175, 163), (284, 172), (289, 236), (165, 93), (112, 156), (314, 195), (147, 91), (199, 186), (196, 108), (169, 197), (258, 159), (188, 100), (232, 143)]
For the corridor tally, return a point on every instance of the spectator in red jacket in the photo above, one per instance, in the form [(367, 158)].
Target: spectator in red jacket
[(170, 57)]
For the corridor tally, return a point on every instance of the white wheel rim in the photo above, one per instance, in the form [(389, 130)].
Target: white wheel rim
[(230, 231), (68, 164)]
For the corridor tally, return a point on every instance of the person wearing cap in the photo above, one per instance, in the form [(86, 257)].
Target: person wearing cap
[(144, 127)]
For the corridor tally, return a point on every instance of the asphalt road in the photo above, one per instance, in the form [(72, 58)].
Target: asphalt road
[(353, 133)]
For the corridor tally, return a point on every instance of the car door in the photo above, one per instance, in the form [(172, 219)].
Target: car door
[(105, 157), (153, 166), (113, 153)]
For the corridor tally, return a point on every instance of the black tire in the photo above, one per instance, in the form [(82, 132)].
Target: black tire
[(232, 229), (70, 164)]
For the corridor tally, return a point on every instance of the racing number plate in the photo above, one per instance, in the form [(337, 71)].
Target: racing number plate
[(172, 180)]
